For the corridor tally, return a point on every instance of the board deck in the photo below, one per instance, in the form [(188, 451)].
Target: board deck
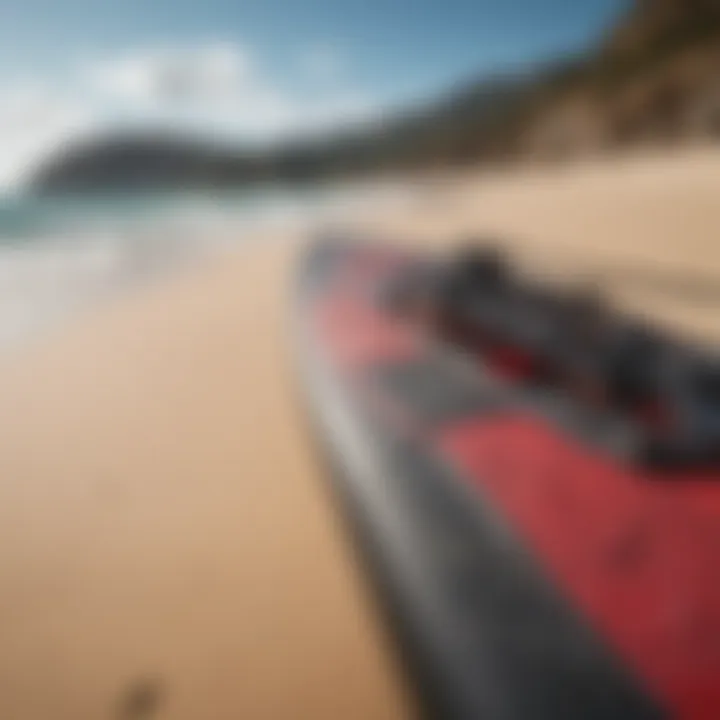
[(530, 572)]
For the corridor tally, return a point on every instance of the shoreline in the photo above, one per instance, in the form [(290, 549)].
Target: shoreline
[(57, 273)]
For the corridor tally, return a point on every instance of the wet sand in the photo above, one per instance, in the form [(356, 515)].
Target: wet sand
[(167, 545)]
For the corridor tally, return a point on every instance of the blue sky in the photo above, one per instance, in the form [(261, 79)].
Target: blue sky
[(256, 67), (393, 45)]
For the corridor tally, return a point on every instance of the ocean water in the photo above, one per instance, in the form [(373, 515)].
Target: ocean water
[(60, 255)]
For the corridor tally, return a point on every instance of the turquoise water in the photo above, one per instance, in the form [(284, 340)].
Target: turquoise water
[(27, 217)]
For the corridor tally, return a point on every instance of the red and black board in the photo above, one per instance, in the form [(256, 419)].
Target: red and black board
[(527, 572)]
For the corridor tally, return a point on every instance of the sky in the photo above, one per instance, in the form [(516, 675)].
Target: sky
[(254, 70)]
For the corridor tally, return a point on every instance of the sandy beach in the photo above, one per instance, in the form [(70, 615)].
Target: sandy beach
[(165, 530)]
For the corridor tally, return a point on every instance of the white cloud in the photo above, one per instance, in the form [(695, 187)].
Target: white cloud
[(161, 75), (216, 88), (222, 88), (35, 120)]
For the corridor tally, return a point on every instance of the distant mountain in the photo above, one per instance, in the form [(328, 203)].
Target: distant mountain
[(653, 77), (142, 160)]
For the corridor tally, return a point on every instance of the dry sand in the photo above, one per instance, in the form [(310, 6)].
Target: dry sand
[(165, 532), (162, 520)]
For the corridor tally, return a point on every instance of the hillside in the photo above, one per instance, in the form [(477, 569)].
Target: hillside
[(652, 78)]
